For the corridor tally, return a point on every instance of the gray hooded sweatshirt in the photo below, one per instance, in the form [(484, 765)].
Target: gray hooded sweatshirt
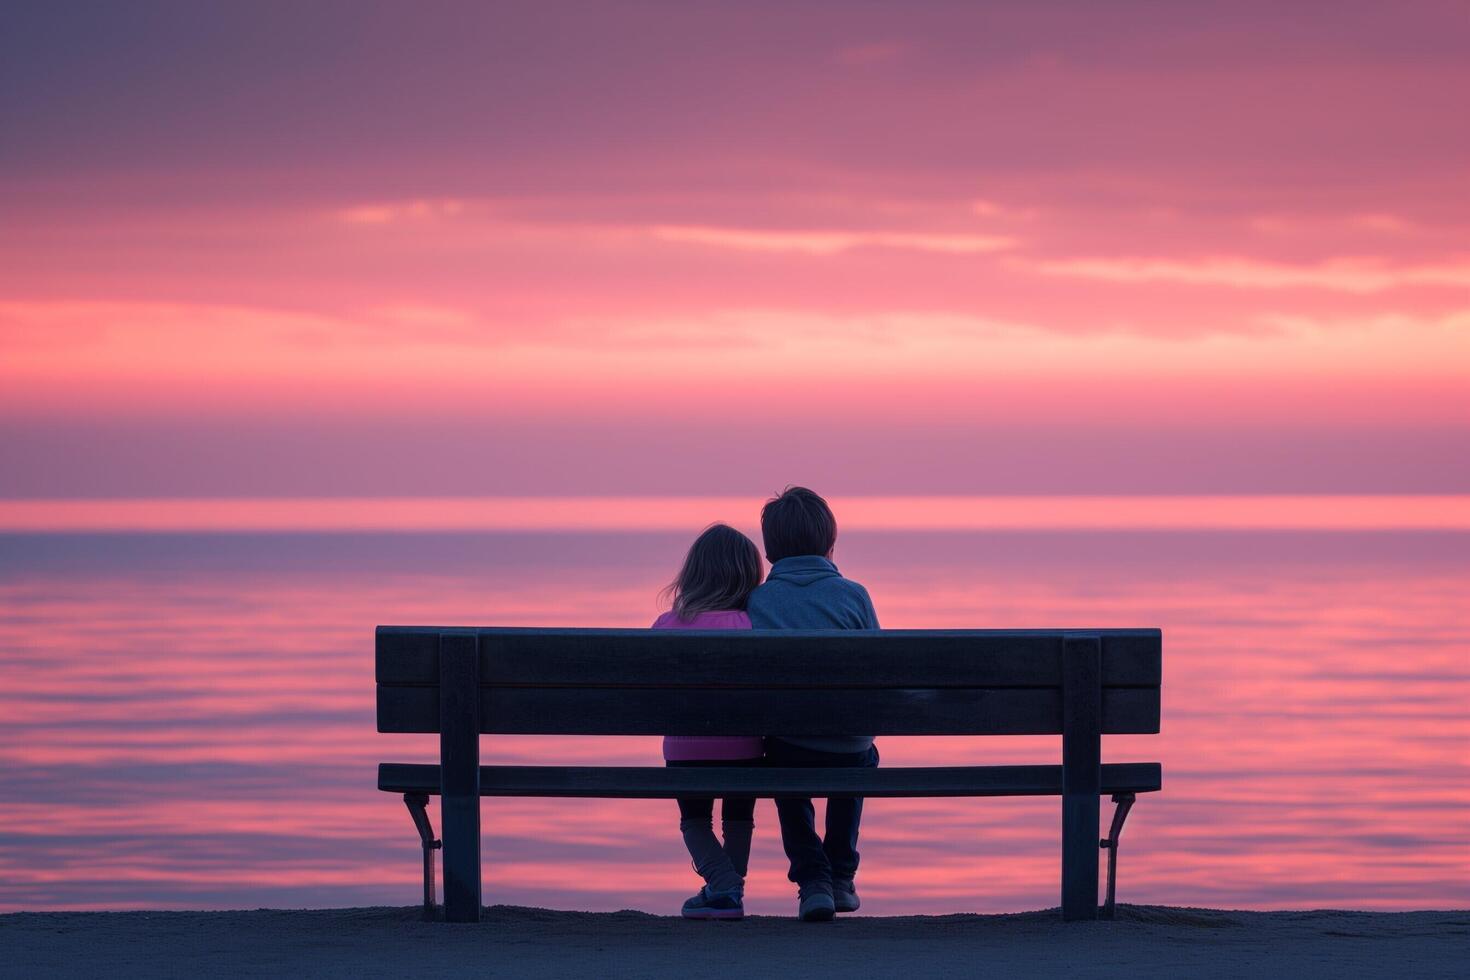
[(806, 592)]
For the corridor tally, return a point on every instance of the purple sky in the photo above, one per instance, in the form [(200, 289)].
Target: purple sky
[(328, 248)]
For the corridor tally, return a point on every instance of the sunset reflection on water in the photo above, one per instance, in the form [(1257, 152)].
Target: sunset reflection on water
[(188, 719)]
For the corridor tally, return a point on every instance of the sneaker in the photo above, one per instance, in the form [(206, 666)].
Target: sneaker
[(714, 905), (845, 896), (816, 905)]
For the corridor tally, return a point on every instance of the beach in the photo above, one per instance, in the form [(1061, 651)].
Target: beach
[(512, 941)]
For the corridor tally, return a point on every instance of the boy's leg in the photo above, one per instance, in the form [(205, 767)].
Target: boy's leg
[(843, 817), (802, 845), (799, 838), (840, 843)]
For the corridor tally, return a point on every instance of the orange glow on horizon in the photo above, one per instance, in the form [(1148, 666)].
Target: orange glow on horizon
[(1053, 513)]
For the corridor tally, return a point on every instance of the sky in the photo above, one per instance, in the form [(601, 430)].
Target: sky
[(460, 249), (980, 268)]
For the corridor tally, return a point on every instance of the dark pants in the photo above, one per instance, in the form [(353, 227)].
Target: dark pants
[(816, 861), (735, 808)]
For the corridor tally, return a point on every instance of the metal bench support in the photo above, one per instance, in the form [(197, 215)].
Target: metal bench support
[(418, 804), (1110, 844)]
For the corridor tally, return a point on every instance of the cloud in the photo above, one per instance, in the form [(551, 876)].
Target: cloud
[(177, 360), (829, 242), (419, 318), (920, 344), (1368, 226), (986, 208), (1388, 223), (390, 212), (1349, 275)]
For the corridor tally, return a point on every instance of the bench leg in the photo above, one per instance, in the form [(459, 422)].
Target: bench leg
[(1081, 773), (1080, 820), (1124, 803), (418, 804), (459, 774), (461, 816)]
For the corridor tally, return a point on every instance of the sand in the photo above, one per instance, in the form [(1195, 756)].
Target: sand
[(1145, 941)]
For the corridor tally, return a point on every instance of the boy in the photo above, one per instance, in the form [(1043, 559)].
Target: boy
[(805, 591)]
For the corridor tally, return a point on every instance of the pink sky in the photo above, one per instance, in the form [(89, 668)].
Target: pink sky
[(698, 248), (1335, 512)]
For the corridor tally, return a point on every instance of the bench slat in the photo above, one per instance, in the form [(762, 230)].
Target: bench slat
[(704, 658), (672, 711), (624, 782)]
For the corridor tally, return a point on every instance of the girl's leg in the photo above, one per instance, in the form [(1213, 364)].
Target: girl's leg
[(696, 823), (737, 825)]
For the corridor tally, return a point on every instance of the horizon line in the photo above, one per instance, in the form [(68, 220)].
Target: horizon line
[(889, 512)]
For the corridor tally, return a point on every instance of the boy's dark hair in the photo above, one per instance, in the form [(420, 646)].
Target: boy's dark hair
[(797, 522), (719, 572)]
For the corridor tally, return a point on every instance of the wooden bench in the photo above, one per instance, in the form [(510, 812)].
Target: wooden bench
[(462, 683)]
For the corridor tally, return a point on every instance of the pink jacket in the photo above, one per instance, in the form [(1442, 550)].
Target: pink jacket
[(687, 748)]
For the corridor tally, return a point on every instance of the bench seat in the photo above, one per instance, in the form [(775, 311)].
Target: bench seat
[(637, 783)]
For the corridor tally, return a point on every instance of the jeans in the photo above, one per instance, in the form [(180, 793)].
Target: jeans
[(816, 861)]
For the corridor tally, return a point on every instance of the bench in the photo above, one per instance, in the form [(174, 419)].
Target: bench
[(462, 683)]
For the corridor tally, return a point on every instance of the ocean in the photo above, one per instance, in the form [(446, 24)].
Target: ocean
[(187, 718)]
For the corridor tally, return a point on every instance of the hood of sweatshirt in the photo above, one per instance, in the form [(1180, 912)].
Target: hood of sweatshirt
[(802, 570)]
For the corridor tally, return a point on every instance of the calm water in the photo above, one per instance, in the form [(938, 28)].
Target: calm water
[(187, 719)]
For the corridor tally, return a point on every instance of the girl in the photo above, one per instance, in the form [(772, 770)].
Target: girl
[(721, 569)]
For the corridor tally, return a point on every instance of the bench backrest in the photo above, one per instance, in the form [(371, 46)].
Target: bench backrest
[(754, 682)]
